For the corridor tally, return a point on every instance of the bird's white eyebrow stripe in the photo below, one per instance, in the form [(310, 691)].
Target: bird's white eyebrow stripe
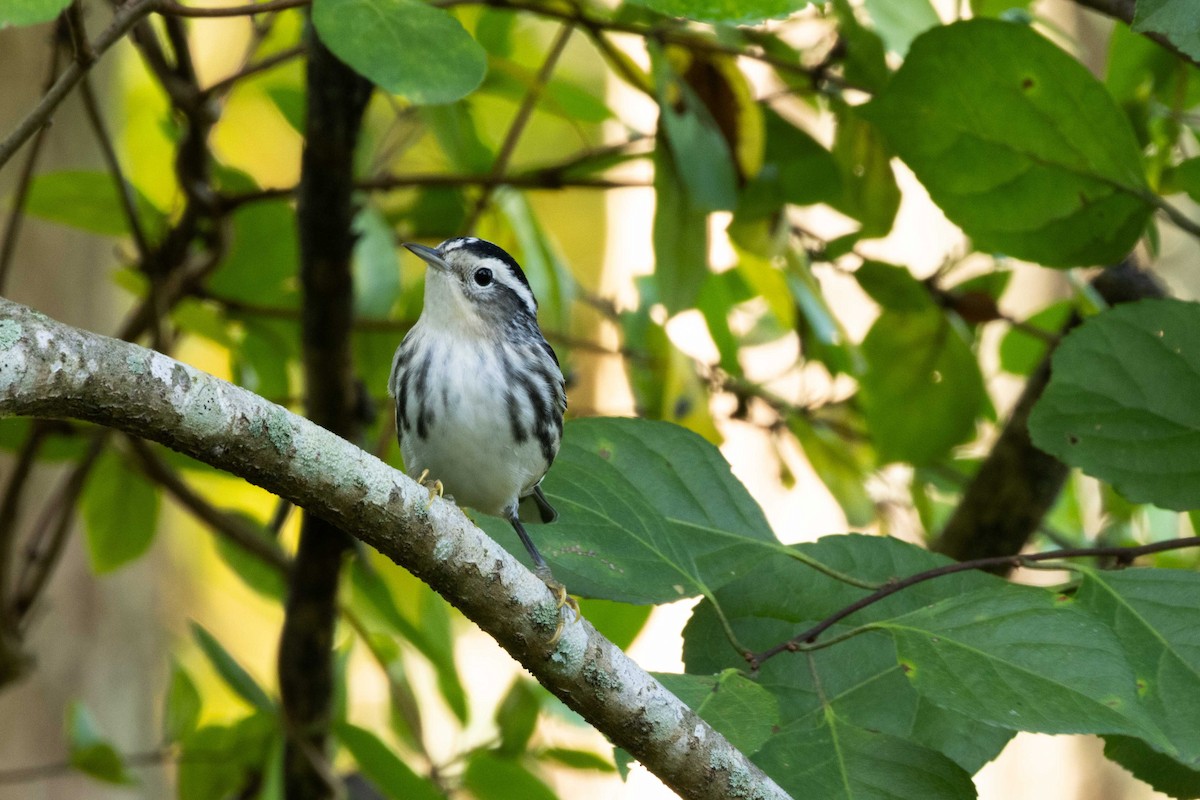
[(506, 277)]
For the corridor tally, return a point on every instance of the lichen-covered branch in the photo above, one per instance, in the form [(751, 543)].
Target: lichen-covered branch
[(53, 370)]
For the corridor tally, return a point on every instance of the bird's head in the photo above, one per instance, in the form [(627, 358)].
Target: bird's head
[(473, 283)]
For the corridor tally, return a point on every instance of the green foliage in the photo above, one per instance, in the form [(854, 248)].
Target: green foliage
[(406, 47), (181, 708), (1177, 20), (794, 157), (89, 201), (1018, 144), (217, 761), (382, 767), (91, 753), (234, 674), (1100, 414), (114, 540), (724, 11), (738, 707), (30, 12), (686, 527), (923, 361)]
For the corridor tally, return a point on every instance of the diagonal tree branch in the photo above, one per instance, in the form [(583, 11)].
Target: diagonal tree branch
[(53, 370)]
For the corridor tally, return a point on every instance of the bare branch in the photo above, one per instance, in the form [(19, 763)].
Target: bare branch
[(53, 370), (1123, 556)]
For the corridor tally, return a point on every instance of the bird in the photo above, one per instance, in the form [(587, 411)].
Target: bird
[(479, 393)]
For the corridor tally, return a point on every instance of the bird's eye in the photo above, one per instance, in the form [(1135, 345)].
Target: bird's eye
[(483, 276)]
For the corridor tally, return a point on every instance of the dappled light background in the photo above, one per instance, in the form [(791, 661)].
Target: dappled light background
[(94, 627)]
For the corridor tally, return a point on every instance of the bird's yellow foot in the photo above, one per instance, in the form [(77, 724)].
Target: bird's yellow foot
[(435, 489), (562, 600)]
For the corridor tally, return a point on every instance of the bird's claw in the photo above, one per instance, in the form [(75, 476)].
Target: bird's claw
[(435, 489), (562, 600)]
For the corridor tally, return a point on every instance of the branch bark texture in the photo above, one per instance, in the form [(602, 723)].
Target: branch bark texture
[(50, 369)]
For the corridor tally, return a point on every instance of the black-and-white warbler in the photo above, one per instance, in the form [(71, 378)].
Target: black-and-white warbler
[(479, 392)]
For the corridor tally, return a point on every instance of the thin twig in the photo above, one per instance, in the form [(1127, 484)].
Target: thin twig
[(233, 528), (124, 187), (16, 214), (1122, 555), (520, 120), (264, 64), (50, 533), (1177, 217), (58, 768), (179, 10)]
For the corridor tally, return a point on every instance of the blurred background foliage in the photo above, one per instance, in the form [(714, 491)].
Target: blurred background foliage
[(835, 239)]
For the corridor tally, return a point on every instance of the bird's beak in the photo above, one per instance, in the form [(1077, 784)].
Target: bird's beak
[(428, 255)]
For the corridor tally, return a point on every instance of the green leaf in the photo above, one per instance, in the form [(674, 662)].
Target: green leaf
[(796, 167), (490, 777), (1177, 20), (869, 190), (430, 634), (273, 784), (649, 512), (694, 142), (680, 238), (841, 761), (262, 256), (376, 267), (1153, 611), (233, 673), (999, 8), (120, 509), (90, 753), (260, 363), (407, 47), (893, 288), (900, 21), (181, 711), (865, 62), (89, 201), (841, 466), (1018, 143), (740, 709), (1121, 402), (1185, 176), (457, 134), (619, 622), (1162, 772), (1026, 659), (577, 759), (30, 12), (291, 101), (217, 762), (264, 579), (858, 680), (562, 98), (516, 717), (922, 389), (732, 12), (382, 766)]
